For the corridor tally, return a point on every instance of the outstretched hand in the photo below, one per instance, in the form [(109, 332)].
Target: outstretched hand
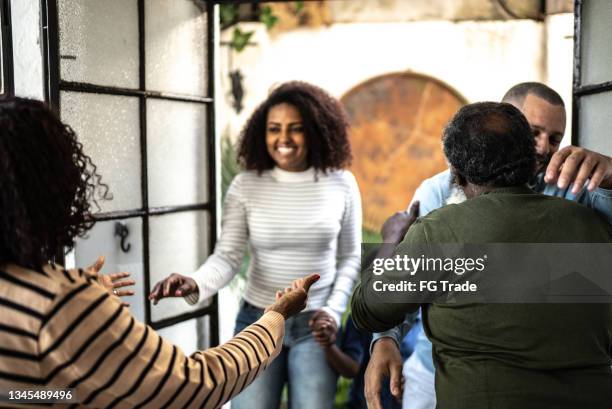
[(175, 285), (112, 282), (293, 299)]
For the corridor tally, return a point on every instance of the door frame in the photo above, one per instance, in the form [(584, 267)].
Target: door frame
[(53, 84)]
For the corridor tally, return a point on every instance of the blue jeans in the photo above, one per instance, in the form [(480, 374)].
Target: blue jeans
[(301, 363)]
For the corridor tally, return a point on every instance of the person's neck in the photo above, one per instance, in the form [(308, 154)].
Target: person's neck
[(471, 190)]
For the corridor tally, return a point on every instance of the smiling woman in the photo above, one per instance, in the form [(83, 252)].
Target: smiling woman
[(302, 109), (285, 138), (298, 210)]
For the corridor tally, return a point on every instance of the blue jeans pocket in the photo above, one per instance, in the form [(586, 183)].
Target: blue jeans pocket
[(299, 330)]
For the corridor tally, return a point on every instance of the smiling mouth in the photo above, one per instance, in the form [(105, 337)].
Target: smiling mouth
[(285, 150)]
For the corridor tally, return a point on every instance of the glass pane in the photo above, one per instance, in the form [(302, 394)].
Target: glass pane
[(175, 36), (108, 127), (595, 122), (191, 335), (178, 244), (102, 241), (99, 41), (176, 153), (596, 37)]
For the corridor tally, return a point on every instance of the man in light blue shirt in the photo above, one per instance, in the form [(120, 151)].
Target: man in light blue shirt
[(573, 173)]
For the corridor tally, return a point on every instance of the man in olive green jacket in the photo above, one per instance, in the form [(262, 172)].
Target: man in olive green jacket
[(505, 355)]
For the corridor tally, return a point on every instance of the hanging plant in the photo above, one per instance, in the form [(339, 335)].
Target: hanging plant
[(240, 39), (230, 15)]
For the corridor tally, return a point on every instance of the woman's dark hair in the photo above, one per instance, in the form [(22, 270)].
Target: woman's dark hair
[(325, 128), (490, 144), (45, 183)]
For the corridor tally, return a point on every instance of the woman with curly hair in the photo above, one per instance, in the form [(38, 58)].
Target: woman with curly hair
[(297, 210), (60, 328)]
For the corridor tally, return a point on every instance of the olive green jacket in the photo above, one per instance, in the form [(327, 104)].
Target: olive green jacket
[(510, 355)]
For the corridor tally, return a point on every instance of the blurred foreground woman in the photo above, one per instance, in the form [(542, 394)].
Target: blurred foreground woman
[(61, 328)]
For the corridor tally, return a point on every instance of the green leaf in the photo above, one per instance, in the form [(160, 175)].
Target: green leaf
[(228, 13), (240, 39), (299, 6), (268, 18)]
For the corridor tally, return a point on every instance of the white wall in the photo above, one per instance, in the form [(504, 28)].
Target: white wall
[(560, 62), (27, 49), (481, 60)]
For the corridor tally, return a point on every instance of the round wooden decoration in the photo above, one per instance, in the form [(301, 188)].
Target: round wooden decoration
[(396, 127)]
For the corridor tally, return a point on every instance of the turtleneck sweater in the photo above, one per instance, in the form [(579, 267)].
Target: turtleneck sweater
[(293, 224)]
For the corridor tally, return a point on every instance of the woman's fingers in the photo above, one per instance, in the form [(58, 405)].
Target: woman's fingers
[(171, 283), (322, 324), (125, 283), (315, 317), (309, 280), (119, 276), (156, 292), (96, 266)]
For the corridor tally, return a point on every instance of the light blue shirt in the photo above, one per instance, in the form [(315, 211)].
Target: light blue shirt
[(433, 194)]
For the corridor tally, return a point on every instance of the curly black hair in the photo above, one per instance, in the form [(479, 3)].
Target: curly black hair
[(46, 181), (325, 127), (490, 144)]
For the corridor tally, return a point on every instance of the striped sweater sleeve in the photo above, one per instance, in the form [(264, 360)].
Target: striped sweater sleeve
[(224, 263), (348, 259), (90, 342)]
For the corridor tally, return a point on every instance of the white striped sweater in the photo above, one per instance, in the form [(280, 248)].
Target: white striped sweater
[(294, 223)]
